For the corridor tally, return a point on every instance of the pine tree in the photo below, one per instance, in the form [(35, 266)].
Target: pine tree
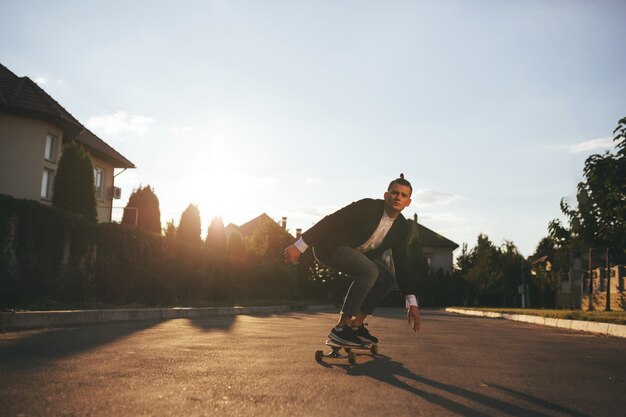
[(236, 245), (216, 236), (74, 188), (190, 228), (142, 210), (170, 229)]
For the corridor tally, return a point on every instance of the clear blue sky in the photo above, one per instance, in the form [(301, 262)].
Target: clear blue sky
[(297, 108)]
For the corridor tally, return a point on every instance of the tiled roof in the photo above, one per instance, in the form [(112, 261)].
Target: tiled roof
[(22, 96), (427, 237), (103, 149), (248, 229)]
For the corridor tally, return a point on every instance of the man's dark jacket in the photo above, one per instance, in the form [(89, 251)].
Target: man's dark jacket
[(353, 225)]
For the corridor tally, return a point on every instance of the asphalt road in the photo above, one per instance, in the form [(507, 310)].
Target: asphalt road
[(264, 366)]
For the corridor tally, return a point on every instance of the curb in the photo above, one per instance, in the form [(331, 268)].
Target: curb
[(38, 319), (606, 329), (320, 307)]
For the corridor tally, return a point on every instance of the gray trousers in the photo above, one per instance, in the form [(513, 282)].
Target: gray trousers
[(371, 283)]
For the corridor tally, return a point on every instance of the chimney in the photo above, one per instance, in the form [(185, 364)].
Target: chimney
[(298, 233), (415, 217), (284, 223)]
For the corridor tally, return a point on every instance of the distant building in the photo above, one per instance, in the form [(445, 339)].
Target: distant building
[(247, 229), (594, 289), (436, 248), (33, 128), (270, 236)]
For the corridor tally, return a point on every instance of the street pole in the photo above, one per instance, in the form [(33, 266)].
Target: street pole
[(591, 306), (608, 282)]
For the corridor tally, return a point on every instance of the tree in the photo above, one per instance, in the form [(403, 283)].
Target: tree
[(74, 188), (216, 236), (599, 219), (170, 229), (549, 262), (464, 263), (485, 274), (514, 271), (190, 227), (236, 246), (142, 210)]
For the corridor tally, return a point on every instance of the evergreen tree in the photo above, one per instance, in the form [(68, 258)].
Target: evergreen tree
[(170, 229), (189, 227), (74, 188), (485, 274), (236, 246), (514, 272), (143, 207), (216, 236)]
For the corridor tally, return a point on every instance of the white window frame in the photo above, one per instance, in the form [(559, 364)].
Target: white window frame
[(47, 179), (98, 179), (50, 147)]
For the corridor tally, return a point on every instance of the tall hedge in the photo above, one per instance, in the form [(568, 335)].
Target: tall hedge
[(50, 257)]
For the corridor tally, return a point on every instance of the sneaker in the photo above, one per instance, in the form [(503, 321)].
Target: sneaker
[(345, 335), (364, 334)]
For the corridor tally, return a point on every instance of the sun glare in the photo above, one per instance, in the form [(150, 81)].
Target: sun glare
[(220, 185)]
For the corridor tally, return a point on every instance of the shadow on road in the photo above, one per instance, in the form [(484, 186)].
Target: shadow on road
[(386, 370), (214, 322), (27, 350)]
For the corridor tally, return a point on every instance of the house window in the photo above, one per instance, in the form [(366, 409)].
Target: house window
[(50, 146), (46, 184), (98, 176)]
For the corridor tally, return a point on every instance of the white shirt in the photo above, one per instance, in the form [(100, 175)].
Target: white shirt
[(379, 234)]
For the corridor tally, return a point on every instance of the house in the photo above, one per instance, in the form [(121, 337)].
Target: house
[(271, 237), (435, 248), (33, 128), (246, 230)]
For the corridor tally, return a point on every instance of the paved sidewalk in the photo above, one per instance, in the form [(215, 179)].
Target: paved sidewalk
[(607, 329)]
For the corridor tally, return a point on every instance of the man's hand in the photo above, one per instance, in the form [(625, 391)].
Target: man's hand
[(413, 313), (292, 253)]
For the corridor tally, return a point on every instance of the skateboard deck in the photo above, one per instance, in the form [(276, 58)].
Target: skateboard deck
[(350, 350)]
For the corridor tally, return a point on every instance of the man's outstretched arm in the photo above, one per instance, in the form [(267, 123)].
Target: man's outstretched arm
[(413, 314)]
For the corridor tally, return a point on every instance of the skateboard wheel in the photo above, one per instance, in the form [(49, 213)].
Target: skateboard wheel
[(351, 357), (374, 349), (319, 354)]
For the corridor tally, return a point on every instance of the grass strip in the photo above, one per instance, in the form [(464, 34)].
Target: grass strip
[(615, 317)]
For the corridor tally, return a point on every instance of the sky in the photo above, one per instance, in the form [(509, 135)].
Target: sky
[(297, 108)]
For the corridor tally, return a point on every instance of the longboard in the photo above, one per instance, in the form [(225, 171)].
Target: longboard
[(350, 350)]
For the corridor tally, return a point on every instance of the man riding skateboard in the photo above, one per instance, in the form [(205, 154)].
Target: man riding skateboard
[(350, 241)]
